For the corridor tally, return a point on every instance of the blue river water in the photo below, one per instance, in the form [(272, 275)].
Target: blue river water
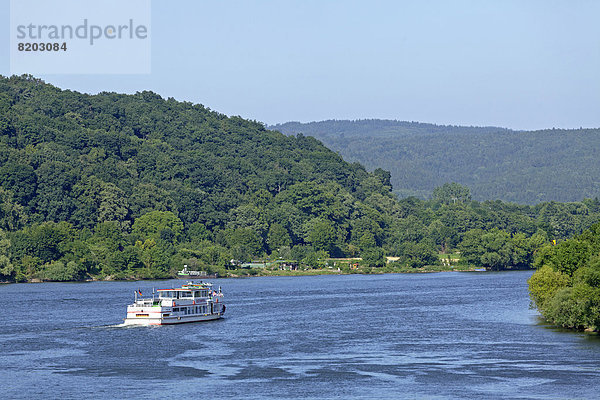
[(430, 336)]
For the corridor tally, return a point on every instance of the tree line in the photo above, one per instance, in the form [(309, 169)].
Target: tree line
[(566, 285), (114, 186)]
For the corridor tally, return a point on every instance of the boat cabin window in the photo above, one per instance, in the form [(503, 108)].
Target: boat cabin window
[(185, 295), (196, 293), (167, 294)]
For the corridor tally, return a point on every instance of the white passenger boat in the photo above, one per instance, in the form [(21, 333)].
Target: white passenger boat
[(191, 302)]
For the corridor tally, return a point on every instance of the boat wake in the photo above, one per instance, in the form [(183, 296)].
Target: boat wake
[(121, 325)]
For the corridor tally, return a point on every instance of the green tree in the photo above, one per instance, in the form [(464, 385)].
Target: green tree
[(497, 250), (315, 259), (147, 197), (113, 204), (155, 257), (46, 241), (544, 284), (152, 224), (451, 193), (417, 255), (571, 255), (243, 243), (197, 233), (12, 214), (566, 288), (7, 270), (58, 271), (367, 241), (20, 179), (278, 237), (321, 234), (373, 257)]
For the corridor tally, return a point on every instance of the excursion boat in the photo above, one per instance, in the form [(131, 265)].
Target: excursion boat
[(192, 302), (186, 273)]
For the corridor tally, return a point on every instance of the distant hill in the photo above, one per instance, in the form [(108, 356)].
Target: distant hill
[(496, 163)]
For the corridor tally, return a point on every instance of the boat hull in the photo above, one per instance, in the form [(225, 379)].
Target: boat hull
[(146, 321)]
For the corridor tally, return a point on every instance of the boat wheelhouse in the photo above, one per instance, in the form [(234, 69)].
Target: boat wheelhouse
[(192, 302)]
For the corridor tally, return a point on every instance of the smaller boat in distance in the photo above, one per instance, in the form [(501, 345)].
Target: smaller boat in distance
[(192, 302), (185, 273)]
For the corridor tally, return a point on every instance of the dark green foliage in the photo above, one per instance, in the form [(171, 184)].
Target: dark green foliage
[(451, 193), (46, 241), (417, 255), (20, 179), (498, 250), (321, 234), (244, 243), (496, 163), (149, 177), (566, 287), (570, 255), (58, 271), (373, 257), (278, 237), (163, 225), (134, 186)]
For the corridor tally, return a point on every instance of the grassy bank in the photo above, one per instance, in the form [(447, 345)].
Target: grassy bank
[(347, 271)]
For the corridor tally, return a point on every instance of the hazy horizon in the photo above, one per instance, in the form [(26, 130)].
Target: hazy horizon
[(517, 65)]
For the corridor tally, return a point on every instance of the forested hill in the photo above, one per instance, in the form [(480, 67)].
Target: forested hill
[(72, 163), (114, 186), (73, 157), (496, 163)]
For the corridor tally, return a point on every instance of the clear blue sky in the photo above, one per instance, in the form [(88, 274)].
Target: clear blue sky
[(517, 64)]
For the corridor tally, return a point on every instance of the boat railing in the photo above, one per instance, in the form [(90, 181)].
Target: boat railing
[(147, 302)]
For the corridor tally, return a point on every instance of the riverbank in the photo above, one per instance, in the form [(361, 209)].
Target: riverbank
[(254, 272), (360, 271)]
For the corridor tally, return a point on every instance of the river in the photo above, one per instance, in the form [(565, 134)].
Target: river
[(432, 336)]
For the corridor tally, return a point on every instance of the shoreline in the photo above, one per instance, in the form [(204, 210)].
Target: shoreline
[(274, 273)]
